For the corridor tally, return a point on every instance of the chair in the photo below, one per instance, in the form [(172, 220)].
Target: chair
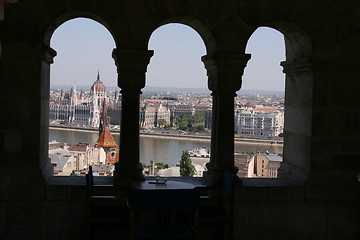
[(222, 213), (106, 210), (165, 204)]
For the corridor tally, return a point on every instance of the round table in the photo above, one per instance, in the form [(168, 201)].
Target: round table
[(169, 185)]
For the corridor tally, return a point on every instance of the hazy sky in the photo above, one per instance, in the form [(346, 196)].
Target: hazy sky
[(83, 46)]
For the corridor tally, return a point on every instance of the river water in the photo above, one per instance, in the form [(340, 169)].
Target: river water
[(165, 150)]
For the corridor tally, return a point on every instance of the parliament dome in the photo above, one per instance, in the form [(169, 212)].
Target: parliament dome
[(98, 85)]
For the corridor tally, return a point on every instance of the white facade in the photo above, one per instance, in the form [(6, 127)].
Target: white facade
[(162, 113), (72, 110), (180, 109), (66, 159), (261, 123), (150, 115), (147, 117)]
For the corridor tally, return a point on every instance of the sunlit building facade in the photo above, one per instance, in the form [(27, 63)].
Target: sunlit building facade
[(71, 109)]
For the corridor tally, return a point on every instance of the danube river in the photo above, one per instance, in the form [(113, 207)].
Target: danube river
[(158, 149)]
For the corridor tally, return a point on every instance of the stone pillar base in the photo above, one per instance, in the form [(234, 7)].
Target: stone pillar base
[(213, 175), (125, 176), (212, 178), (292, 173)]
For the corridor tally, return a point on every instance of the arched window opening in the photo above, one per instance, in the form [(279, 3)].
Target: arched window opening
[(84, 103), (260, 104), (175, 106)]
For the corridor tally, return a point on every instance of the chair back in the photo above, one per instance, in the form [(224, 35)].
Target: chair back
[(164, 200), (228, 182)]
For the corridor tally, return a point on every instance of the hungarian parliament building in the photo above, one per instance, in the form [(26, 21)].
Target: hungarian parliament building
[(80, 109)]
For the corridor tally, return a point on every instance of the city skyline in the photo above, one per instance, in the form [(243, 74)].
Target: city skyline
[(84, 47)]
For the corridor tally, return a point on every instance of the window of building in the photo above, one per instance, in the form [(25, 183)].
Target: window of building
[(298, 103), (178, 99), (82, 71), (261, 97)]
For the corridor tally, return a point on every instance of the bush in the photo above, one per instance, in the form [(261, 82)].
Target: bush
[(187, 169)]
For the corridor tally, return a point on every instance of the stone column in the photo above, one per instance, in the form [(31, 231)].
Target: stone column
[(224, 72), (335, 139), (45, 163), (24, 137), (131, 65), (298, 119)]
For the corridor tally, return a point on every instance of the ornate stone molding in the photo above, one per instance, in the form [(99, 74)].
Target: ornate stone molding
[(224, 70), (131, 66), (49, 55), (300, 65)]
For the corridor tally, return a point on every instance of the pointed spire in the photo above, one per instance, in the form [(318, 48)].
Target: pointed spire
[(98, 76), (74, 94), (104, 113), (103, 118)]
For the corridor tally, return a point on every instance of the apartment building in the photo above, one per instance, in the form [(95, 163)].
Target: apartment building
[(259, 122)]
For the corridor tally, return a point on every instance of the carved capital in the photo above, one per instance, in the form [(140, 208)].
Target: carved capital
[(300, 65), (131, 67), (49, 55), (224, 70)]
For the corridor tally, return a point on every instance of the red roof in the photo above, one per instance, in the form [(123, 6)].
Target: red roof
[(106, 140), (266, 109), (98, 86)]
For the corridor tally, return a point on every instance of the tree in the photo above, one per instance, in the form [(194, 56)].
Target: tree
[(199, 117), (161, 122), (182, 126), (162, 165), (200, 128), (187, 169)]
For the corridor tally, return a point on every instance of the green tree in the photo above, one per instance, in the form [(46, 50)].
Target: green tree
[(161, 122), (162, 165), (199, 117), (200, 128), (187, 122), (187, 169), (182, 126)]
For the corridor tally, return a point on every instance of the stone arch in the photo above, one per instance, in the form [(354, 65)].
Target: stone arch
[(73, 15), (47, 60), (298, 101), (297, 41), (198, 26)]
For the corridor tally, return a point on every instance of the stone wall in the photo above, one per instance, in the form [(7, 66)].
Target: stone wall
[(322, 109)]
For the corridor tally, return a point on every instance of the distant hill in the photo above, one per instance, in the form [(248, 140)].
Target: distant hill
[(175, 90), (261, 92)]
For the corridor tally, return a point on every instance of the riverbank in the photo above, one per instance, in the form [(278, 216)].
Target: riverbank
[(168, 135)]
